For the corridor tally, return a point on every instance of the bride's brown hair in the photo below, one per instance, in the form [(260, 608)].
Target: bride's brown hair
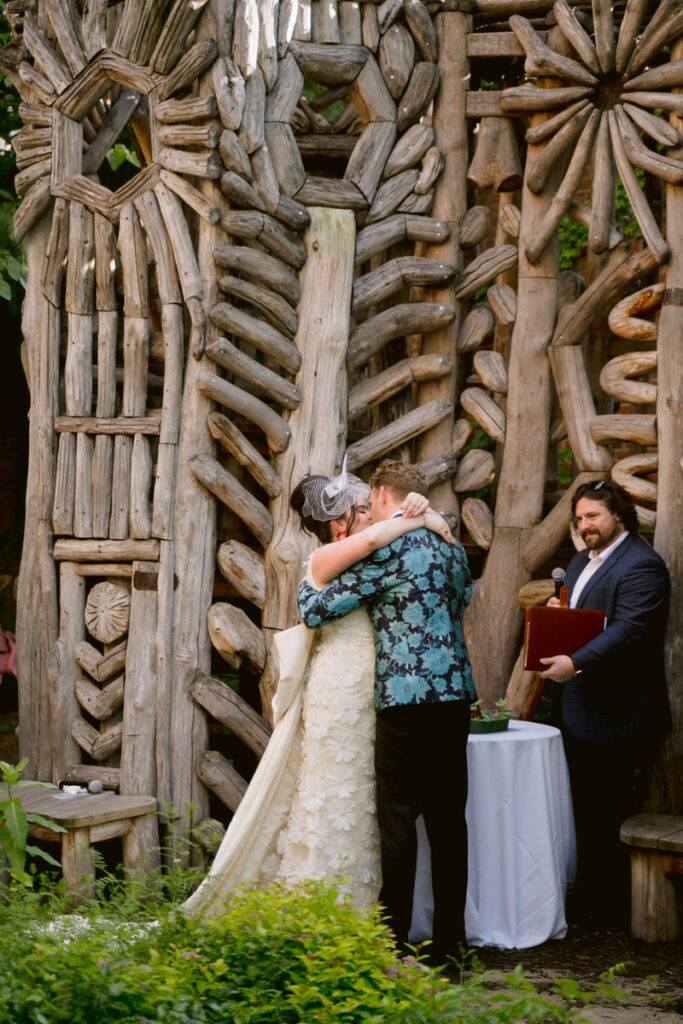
[(320, 528)]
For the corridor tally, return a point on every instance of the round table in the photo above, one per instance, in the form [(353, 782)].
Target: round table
[(521, 847)]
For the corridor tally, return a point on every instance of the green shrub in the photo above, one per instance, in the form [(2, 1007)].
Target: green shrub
[(277, 955)]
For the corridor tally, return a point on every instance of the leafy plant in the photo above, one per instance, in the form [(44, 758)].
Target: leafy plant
[(479, 711), (14, 821), (277, 955)]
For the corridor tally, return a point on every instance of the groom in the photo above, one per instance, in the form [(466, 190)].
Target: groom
[(415, 590)]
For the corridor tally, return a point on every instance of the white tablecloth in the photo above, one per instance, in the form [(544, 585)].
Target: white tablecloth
[(522, 850)]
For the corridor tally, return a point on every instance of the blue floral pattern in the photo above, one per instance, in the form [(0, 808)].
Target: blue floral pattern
[(416, 591)]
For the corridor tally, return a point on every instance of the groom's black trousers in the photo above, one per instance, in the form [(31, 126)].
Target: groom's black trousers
[(421, 768)]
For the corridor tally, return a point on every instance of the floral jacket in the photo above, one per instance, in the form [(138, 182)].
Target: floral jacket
[(416, 591)]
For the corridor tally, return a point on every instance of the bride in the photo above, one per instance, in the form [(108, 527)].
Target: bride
[(309, 811)]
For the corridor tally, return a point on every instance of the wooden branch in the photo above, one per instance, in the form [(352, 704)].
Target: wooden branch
[(475, 328), (218, 774), (377, 238), (281, 391), (543, 163), (476, 470), (274, 427), (235, 636), (614, 378), (665, 26), (52, 66), (244, 570), (639, 429), (629, 30), (397, 433), (482, 408), (329, 63), (189, 68), (655, 163), (535, 593), (655, 100), (232, 711), (101, 704), (337, 194), (107, 425), (102, 667), (490, 264), (402, 272), (540, 132), (622, 268), (234, 496), (603, 27), (32, 207), (105, 550), (401, 320), (187, 111), (230, 91), (565, 192), (491, 369), (266, 270), (396, 57), (282, 242), (578, 408), (625, 473), (177, 26), (542, 60), (232, 439), (656, 127), (496, 160), (576, 35), (529, 99), (478, 519), (382, 386), (116, 119), (200, 165), (604, 192), (475, 226), (268, 303), (257, 333), (641, 208), (622, 321), (419, 93)]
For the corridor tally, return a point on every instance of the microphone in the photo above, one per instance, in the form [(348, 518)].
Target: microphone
[(558, 576)]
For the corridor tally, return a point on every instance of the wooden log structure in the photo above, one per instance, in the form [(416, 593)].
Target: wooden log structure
[(287, 278)]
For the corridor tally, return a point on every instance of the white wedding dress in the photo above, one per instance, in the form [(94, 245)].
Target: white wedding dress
[(309, 811)]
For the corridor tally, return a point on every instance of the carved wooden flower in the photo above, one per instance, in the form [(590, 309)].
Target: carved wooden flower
[(107, 612), (616, 89)]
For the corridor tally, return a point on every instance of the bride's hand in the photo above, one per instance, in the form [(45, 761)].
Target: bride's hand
[(435, 522), (414, 505)]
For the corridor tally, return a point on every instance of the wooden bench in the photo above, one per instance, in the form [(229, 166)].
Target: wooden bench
[(656, 848), (91, 818)]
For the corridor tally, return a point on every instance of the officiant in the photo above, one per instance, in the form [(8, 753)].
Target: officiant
[(610, 701)]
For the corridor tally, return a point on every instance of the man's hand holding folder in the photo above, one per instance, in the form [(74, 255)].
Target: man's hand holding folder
[(554, 632)]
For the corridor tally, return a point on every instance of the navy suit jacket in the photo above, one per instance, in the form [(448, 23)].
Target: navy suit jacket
[(621, 690)]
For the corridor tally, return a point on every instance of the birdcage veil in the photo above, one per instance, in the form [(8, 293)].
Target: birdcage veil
[(325, 500)]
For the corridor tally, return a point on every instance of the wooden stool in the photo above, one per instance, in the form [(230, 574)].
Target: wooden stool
[(656, 842), (91, 818)]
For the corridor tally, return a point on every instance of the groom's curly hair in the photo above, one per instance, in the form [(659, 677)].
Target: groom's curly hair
[(400, 478)]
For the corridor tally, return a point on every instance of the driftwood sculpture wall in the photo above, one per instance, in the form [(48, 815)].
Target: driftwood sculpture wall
[(343, 236)]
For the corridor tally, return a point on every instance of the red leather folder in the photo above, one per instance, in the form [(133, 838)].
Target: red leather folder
[(549, 631)]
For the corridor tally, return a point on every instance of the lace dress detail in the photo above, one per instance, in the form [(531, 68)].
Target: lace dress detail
[(332, 828)]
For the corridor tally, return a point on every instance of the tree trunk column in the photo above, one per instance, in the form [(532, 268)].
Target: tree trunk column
[(667, 794), (450, 205), (319, 423), (493, 618)]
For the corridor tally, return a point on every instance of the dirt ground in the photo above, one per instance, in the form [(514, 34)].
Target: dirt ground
[(650, 991)]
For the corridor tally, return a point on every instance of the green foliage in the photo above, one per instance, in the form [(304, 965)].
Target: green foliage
[(14, 822), (573, 241), (276, 956)]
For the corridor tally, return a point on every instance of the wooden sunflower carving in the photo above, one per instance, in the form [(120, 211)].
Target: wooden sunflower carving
[(612, 93)]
